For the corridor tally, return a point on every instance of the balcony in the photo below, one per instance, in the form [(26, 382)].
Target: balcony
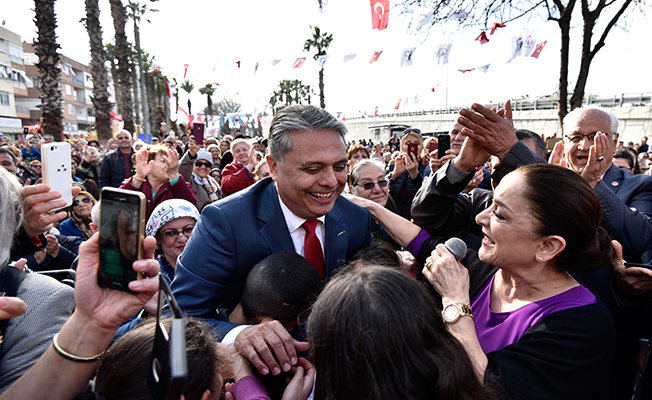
[(20, 85), (78, 80)]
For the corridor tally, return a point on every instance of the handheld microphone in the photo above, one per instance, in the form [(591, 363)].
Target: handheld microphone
[(457, 247)]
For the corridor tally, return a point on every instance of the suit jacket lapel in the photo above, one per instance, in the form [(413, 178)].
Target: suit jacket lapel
[(613, 178), (274, 228), (336, 241)]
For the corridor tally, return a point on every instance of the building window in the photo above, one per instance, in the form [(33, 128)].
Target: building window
[(3, 45), (71, 109), (69, 90), (16, 53), (4, 98)]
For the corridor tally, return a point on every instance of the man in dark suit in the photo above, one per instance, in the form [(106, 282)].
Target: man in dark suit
[(118, 165), (307, 161)]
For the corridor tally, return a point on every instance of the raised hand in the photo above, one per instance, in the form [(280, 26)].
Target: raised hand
[(143, 167), (172, 163), (492, 130)]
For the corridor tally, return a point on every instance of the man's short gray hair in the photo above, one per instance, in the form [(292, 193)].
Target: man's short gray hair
[(571, 118), (10, 213), (297, 118)]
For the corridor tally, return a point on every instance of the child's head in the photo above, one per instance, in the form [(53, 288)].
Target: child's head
[(282, 286)]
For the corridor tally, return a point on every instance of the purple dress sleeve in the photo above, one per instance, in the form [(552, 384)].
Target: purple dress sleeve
[(249, 388)]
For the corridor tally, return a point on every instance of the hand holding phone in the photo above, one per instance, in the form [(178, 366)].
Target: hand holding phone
[(413, 148)]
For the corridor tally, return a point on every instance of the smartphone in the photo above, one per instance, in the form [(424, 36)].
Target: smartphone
[(551, 142), (444, 143), (198, 132), (55, 158), (413, 148), (169, 360), (122, 230), (432, 146)]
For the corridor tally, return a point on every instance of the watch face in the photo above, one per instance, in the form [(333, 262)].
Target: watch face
[(451, 313)]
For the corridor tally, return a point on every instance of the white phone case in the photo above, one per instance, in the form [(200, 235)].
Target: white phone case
[(55, 158)]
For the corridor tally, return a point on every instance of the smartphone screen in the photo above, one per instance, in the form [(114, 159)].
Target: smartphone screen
[(198, 132), (55, 158), (121, 235), (444, 144)]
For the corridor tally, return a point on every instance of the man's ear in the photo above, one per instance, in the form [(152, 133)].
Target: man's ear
[(273, 166)]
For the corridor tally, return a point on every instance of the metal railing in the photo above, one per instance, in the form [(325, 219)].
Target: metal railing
[(621, 100)]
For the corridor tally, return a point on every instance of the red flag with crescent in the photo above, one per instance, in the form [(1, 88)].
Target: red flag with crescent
[(374, 58), (483, 38), (496, 25), (538, 49), (299, 62), (185, 70), (379, 14)]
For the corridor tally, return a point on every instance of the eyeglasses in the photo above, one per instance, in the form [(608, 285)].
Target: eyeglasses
[(36, 166), (174, 233), (203, 164), (410, 130), (591, 136), (85, 200), (370, 185)]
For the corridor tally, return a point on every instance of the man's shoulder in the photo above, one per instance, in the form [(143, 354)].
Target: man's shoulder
[(261, 191)]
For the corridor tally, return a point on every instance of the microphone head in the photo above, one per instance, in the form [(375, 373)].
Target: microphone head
[(457, 247)]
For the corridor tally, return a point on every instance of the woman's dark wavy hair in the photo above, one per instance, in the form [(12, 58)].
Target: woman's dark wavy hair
[(126, 365), (374, 334), (565, 205)]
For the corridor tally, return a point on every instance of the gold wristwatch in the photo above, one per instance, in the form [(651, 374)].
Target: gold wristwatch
[(454, 311)]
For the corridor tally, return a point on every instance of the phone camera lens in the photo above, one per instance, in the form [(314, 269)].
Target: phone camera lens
[(52, 148)]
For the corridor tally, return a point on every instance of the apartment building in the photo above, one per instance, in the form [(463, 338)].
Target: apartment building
[(13, 83)]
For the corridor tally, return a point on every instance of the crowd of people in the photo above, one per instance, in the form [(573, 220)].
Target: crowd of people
[(304, 265)]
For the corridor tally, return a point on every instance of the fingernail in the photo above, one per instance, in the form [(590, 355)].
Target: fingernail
[(276, 371), (294, 361), (265, 371), (286, 367)]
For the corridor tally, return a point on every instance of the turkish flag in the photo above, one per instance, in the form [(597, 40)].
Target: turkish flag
[(483, 38), (185, 70), (397, 104), (299, 62), (496, 25), (167, 88), (375, 56), (537, 50), (464, 71), (376, 112), (379, 14)]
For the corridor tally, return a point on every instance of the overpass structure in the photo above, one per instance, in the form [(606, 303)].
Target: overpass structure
[(634, 113)]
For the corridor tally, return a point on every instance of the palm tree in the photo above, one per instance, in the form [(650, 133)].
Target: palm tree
[(208, 90), (136, 11), (320, 41), (124, 67), (100, 96), (109, 49), (188, 87), (48, 68)]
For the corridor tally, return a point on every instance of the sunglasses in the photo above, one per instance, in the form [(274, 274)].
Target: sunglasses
[(36, 166), (370, 185), (85, 200), (203, 164), (410, 130)]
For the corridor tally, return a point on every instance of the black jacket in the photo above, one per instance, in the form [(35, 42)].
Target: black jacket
[(112, 171)]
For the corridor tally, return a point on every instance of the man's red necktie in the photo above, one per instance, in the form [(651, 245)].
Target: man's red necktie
[(312, 246)]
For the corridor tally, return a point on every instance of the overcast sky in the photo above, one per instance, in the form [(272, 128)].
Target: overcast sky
[(211, 35)]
